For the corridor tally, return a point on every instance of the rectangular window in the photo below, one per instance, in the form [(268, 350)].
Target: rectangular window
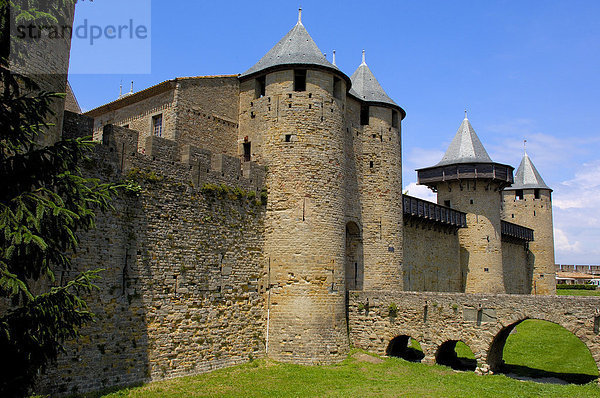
[(447, 203), (260, 87), (157, 125), (395, 119), (288, 138), (337, 87), (299, 79), (536, 193), (519, 194), (364, 115), (247, 151)]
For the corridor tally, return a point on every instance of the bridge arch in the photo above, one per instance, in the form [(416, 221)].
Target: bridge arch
[(447, 355), (495, 353), (403, 346)]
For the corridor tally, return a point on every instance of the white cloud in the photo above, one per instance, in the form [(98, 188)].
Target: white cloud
[(577, 216), (420, 191), (561, 242), (581, 192)]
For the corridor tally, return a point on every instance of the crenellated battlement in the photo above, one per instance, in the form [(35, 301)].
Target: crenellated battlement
[(186, 163)]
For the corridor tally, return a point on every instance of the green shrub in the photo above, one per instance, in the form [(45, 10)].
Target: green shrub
[(576, 287), (393, 309)]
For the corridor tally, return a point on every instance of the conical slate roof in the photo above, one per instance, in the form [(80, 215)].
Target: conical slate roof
[(527, 176), (296, 48), (465, 147), (366, 87)]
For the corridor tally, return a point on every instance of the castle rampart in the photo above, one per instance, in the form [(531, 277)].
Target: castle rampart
[(184, 268)]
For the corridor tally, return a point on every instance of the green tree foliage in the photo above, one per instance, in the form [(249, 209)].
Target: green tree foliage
[(44, 202)]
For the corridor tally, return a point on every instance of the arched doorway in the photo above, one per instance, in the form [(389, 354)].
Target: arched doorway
[(539, 349), (457, 355), (354, 257), (406, 348)]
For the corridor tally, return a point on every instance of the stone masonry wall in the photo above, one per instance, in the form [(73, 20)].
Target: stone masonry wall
[(432, 259), (181, 291), (517, 264), (207, 113), (138, 116), (481, 245)]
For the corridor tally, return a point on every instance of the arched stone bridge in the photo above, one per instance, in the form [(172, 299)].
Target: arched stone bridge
[(481, 321)]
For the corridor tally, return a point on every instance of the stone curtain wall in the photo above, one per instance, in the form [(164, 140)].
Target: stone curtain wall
[(517, 265), (432, 259), (475, 319), (181, 291)]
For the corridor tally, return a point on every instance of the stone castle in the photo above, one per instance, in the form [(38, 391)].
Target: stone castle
[(271, 222)]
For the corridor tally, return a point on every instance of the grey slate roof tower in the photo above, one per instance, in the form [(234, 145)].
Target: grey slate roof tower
[(465, 147), (366, 87), (527, 176), (465, 158), (295, 48)]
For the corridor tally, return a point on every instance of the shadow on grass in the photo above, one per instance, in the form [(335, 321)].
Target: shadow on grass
[(412, 355), (520, 371), (457, 363)]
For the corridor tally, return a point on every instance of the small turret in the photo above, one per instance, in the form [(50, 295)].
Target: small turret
[(468, 180), (528, 202), (380, 180)]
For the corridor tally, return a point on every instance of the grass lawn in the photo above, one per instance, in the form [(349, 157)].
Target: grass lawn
[(577, 292), (544, 346), (390, 378)]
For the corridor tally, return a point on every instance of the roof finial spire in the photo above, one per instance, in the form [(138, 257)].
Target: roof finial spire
[(333, 57), (131, 87), (525, 147), (121, 89), (466, 113), (300, 15), (363, 58)]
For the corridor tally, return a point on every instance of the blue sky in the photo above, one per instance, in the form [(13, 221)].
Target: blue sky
[(523, 69)]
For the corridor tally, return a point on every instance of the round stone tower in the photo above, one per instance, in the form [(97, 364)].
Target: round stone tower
[(528, 202), (468, 180), (43, 57), (379, 178), (292, 119)]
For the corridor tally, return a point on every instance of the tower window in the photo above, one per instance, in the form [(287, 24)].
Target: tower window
[(260, 87), (536, 193), (288, 138), (364, 115), (371, 164), (471, 201), (519, 194), (395, 119), (299, 79), (337, 87), (247, 151), (157, 125), (447, 203)]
